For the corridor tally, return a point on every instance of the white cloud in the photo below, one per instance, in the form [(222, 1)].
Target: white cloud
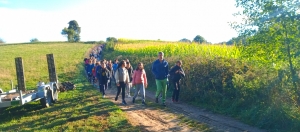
[(4, 2), (155, 19)]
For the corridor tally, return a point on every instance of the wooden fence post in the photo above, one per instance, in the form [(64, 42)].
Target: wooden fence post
[(20, 74), (51, 68)]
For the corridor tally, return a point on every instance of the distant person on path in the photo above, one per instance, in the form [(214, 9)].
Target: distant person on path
[(86, 63), (94, 72), (103, 78), (160, 71), (122, 78), (89, 70), (109, 67), (139, 80), (115, 67), (176, 73), (130, 73)]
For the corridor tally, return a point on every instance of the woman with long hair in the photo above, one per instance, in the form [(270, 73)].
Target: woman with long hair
[(122, 78), (139, 80)]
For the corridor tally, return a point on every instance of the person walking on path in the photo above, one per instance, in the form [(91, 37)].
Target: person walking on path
[(122, 78), (139, 80), (160, 70), (89, 70), (176, 73), (130, 73), (103, 78), (115, 67), (111, 72)]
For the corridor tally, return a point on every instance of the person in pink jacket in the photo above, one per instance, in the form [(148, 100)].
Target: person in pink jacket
[(139, 80)]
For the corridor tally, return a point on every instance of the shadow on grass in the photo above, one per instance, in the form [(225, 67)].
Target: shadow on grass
[(74, 107)]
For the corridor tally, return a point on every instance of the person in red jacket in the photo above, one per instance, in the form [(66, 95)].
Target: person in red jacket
[(139, 80)]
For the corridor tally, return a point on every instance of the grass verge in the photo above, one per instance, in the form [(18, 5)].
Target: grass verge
[(81, 109)]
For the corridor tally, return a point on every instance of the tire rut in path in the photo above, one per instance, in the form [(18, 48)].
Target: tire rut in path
[(147, 118), (215, 121)]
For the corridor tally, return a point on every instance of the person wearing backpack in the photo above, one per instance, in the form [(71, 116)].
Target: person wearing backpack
[(176, 73), (139, 80), (160, 69), (122, 78), (103, 78)]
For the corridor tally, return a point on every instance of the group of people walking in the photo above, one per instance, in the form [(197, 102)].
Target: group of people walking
[(126, 77)]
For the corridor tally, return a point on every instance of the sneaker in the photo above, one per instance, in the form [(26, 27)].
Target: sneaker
[(116, 98), (124, 102), (103, 96), (133, 100), (164, 104), (129, 96), (156, 100), (144, 103)]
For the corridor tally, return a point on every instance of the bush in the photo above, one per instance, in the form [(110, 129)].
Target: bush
[(34, 40), (224, 83)]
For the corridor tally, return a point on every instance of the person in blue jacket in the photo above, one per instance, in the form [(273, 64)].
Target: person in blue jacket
[(90, 66), (160, 69)]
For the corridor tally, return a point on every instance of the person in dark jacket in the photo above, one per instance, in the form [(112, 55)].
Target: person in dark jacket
[(176, 73), (103, 78), (160, 69), (111, 72), (90, 67)]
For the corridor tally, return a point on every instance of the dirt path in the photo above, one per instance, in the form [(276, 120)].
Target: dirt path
[(148, 118), (157, 118)]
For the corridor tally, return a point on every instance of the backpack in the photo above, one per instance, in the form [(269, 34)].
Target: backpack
[(172, 75)]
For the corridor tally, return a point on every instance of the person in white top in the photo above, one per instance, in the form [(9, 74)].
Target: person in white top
[(122, 79)]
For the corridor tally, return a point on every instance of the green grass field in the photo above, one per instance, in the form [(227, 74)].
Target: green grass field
[(77, 110)]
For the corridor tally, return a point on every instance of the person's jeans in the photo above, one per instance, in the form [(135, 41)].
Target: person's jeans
[(161, 88), (139, 88), (176, 90), (103, 87), (128, 87), (121, 87)]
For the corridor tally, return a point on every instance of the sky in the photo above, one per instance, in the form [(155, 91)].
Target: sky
[(170, 20)]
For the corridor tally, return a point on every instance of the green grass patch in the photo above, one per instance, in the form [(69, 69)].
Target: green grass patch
[(193, 124), (81, 109), (68, 58)]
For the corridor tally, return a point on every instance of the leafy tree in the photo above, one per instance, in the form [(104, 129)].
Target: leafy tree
[(185, 40), (111, 43), (72, 32), (199, 39), (112, 39), (34, 40), (101, 42), (240, 40), (1, 41), (271, 22)]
